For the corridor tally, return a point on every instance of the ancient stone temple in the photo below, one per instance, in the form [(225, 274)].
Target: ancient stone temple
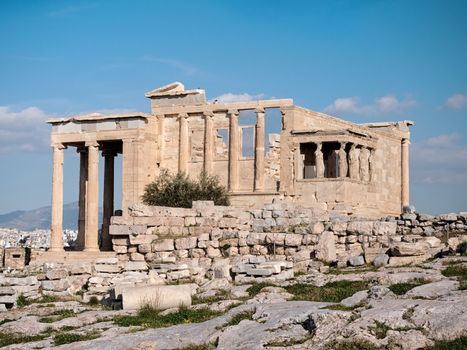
[(313, 159)]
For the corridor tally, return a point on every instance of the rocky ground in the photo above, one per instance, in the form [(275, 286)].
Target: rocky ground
[(422, 307)]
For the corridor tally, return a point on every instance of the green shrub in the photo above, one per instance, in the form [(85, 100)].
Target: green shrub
[(22, 301), (402, 288), (66, 338), (455, 344), (9, 339), (332, 292), (256, 288), (150, 317), (351, 344), (180, 191)]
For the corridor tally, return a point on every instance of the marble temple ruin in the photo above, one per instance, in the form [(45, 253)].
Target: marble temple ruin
[(314, 160)]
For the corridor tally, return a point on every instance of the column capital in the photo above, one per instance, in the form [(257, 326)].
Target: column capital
[(405, 142), (58, 145), (233, 112), (343, 144), (209, 114), (92, 144), (182, 116), (259, 110)]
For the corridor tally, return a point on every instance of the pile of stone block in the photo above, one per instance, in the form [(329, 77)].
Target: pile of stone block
[(257, 268)]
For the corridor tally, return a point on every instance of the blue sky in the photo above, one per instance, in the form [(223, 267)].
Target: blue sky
[(360, 60)]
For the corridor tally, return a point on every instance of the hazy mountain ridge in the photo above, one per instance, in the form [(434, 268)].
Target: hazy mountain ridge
[(39, 218)]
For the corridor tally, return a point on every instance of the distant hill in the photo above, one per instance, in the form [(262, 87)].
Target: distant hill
[(27, 220)]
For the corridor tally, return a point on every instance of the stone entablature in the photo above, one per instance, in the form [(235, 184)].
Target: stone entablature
[(314, 160)]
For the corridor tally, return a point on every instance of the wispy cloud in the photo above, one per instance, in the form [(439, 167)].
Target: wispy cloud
[(381, 106), (184, 67), (457, 102), (69, 10), (440, 159), (24, 131), (230, 97)]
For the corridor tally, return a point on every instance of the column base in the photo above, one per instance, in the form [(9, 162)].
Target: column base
[(57, 249), (91, 249)]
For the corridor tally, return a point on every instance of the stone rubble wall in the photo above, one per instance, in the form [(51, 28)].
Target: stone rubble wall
[(209, 244), (279, 231)]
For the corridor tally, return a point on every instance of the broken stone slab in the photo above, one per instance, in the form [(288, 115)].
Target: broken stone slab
[(395, 261), (409, 249), (433, 242), (135, 266), (163, 245), (119, 230), (276, 266), (108, 268), (107, 261), (160, 297), (7, 291), (433, 290), (260, 271), (186, 243), (381, 260), (326, 248), (448, 217), (355, 299), (357, 260), (241, 268), (56, 274)]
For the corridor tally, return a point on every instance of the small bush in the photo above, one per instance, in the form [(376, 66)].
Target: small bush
[(456, 344), (150, 317), (332, 292), (9, 339), (22, 301), (402, 288), (180, 191), (256, 288), (66, 338), (57, 316), (351, 345)]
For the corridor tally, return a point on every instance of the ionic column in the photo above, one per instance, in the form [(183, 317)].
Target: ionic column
[(108, 207), (56, 240), (319, 160), (343, 167), (208, 142), (259, 150), (92, 199), (405, 198), (183, 143), (83, 178), (233, 150)]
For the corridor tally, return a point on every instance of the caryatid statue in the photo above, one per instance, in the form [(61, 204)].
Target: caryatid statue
[(319, 161)]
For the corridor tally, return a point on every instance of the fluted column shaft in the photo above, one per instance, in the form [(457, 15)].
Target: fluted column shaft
[(108, 207), (233, 151), (83, 178), (183, 143), (92, 199), (56, 240), (208, 142), (259, 150), (405, 198)]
